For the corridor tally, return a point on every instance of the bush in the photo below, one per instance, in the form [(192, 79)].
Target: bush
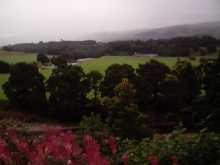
[(127, 122), (4, 67), (201, 149), (41, 57), (94, 126), (59, 61)]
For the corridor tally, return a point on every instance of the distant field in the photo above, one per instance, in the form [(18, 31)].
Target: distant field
[(15, 57), (100, 64)]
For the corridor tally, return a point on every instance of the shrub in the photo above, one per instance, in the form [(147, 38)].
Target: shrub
[(201, 149), (59, 61), (94, 126), (41, 57)]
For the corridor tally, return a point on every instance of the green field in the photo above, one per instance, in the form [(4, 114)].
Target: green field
[(100, 64)]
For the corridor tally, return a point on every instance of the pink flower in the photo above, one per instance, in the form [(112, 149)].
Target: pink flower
[(4, 152), (71, 162), (125, 159), (92, 152), (112, 142), (153, 160)]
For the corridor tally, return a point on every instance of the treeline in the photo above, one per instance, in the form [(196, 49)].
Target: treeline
[(179, 46), (131, 101), (71, 50)]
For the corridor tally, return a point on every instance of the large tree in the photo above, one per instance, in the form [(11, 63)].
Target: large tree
[(208, 109), (212, 81), (150, 76), (25, 87), (190, 82), (124, 116), (67, 87)]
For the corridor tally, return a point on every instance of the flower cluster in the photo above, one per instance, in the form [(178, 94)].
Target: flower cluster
[(62, 147)]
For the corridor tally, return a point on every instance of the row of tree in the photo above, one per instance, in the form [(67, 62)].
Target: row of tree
[(72, 50), (179, 46), (152, 92)]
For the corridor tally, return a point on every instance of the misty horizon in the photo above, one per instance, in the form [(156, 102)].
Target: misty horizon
[(47, 20)]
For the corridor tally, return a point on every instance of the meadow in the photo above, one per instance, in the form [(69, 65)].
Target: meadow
[(100, 64)]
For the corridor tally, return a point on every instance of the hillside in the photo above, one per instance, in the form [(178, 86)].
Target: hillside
[(209, 28)]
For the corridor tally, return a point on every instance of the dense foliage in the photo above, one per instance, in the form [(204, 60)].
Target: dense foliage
[(25, 87), (68, 87), (133, 102)]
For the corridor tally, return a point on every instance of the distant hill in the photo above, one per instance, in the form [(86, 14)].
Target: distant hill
[(209, 28)]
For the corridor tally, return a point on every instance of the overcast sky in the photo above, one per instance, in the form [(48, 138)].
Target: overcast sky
[(34, 20)]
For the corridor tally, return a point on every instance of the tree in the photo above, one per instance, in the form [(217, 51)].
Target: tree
[(4, 67), (210, 43), (59, 61), (172, 95), (94, 79), (68, 87), (41, 57), (187, 75), (113, 76), (25, 87), (123, 115), (212, 81), (208, 107), (149, 78)]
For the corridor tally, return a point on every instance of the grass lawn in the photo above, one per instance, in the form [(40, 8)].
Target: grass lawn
[(100, 64)]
